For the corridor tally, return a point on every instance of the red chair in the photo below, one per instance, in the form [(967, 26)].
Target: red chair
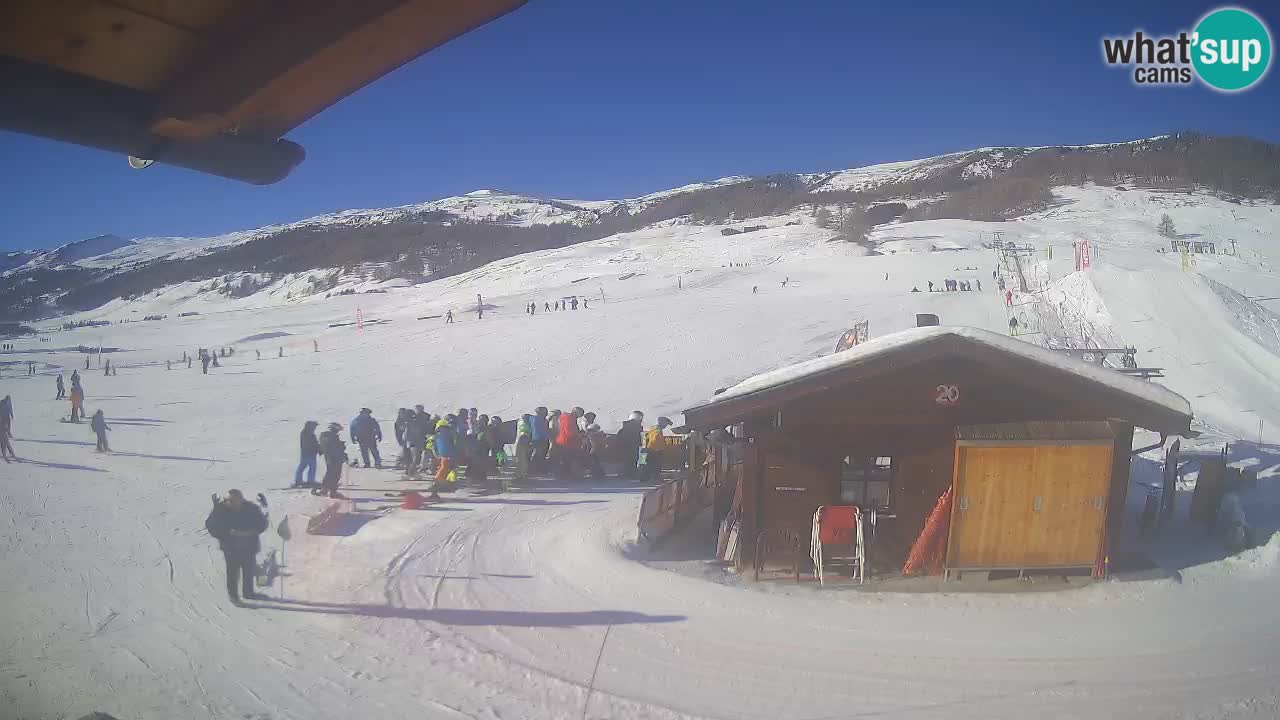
[(838, 526)]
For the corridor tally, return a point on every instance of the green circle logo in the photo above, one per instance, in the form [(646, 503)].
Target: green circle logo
[(1232, 49)]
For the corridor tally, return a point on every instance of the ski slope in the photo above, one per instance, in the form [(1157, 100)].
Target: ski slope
[(536, 604)]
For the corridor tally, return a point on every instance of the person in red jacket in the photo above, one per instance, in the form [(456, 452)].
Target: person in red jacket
[(568, 443)]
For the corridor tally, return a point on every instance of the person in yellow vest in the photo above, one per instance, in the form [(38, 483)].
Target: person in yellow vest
[(651, 448)]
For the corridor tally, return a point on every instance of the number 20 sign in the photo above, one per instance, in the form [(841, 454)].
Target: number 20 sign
[(947, 395)]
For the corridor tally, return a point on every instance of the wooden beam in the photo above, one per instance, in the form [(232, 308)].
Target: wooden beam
[(278, 64)]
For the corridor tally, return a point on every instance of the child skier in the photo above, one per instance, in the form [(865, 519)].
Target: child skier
[(100, 427)]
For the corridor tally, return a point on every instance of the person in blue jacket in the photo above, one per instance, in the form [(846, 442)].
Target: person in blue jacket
[(541, 441), (446, 449), (367, 434), (309, 447)]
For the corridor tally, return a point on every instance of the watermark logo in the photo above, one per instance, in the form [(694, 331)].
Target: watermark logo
[(1229, 50)]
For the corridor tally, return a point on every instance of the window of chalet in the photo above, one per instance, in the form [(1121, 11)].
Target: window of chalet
[(866, 481)]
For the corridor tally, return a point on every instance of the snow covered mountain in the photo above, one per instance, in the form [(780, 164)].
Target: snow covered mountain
[(452, 235)]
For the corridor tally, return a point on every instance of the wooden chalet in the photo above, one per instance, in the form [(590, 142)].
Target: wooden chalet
[(1036, 445)]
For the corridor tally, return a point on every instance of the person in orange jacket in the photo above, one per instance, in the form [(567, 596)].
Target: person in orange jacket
[(568, 442)]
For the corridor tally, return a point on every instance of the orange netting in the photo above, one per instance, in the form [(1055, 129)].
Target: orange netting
[(930, 548)]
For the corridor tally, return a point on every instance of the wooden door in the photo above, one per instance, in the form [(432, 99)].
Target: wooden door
[(1029, 506), (990, 504), (1068, 507)]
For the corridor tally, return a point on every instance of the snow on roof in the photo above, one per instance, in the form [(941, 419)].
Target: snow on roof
[(1118, 382)]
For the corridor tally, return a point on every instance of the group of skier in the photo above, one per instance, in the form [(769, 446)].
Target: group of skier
[(949, 285), (566, 304), (566, 445), (97, 423)]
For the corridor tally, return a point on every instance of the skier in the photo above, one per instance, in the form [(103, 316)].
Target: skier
[(403, 417), (524, 445), (75, 378), (366, 432), (77, 399), (168, 364), (281, 351), (628, 438), (755, 289), (596, 444), (1013, 326), (188, 363), (257, 355), (106, 368), (236, 524), (651, 457), (446, 448), (6, 429), (417, 430), (540, 441), (480, 460), (573, 304), (204, 364), (448, 318), (568, 443), (930, 286), (1008, 297), (31, 368), (100, 427), (7, 419), (546, 307), (979, 283), (62, 388), (215, 361), (335, 456), (584, 303), (315, 345), (309, 447)]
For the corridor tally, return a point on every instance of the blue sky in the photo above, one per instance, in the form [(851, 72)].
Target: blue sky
[(590, 99)]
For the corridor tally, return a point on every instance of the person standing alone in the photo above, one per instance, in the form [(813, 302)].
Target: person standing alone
[(6, 428), (236, 524), (100, 427), (62, 388)]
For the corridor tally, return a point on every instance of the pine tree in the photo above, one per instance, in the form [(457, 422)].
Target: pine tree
[(822, 218), (1166, 226)]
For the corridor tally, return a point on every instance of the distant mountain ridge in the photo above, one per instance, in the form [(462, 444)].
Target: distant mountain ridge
[(455, 234)]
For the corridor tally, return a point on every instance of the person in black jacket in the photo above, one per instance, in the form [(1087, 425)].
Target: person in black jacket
[(367, 433), (335, 457), (416, 431), (310, 448), (237, 524), (403, 416), (629, 443)]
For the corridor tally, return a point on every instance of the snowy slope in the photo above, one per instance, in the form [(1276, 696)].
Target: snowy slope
[(533, 604), (501, 606)]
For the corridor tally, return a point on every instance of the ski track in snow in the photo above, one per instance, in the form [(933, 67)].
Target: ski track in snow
[(529, 604)]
